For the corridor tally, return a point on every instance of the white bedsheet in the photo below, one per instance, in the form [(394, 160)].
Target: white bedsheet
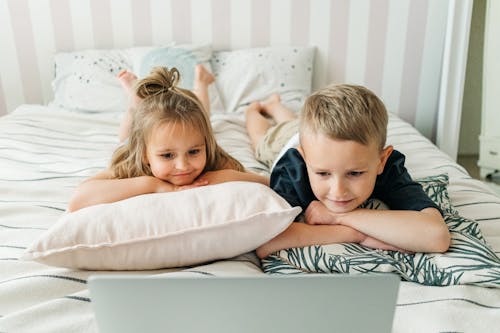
[(45, 152)]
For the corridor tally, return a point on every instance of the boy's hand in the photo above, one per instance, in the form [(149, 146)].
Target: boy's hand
[(317, 213)]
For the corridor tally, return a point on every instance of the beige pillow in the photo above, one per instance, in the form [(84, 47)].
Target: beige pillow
[(166, 230)]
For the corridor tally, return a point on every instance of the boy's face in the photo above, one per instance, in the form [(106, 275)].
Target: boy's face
[(342, 173)]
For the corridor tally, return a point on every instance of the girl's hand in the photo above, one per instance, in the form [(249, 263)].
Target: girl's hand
[(162, 186), (219, 176), (196, 183)]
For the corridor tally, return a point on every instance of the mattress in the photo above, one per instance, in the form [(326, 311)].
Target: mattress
[(46, 151)]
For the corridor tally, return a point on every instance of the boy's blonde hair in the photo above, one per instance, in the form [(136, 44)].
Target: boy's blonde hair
[(163, 102), (346, 112)]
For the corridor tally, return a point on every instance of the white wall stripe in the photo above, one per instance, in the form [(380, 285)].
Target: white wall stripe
[(319, 20), (281, 11), (375, 47), (417, 22), (82, 24), (9, 66), (299, 22), (161, 18), (101, 23), (337, 50), (359, 14), (427, 101), (181, 21), (261, 22), (121, 18), (61, 21), (44, 44), (201, 21), (221, 34), (141, 22), (240, 24), (394, 53)]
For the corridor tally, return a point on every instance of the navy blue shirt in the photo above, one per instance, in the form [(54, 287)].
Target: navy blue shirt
[(393, 186)]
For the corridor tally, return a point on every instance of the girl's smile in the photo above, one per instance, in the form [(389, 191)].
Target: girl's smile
[(176, 153)]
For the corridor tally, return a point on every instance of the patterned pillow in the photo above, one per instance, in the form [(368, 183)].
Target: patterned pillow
[(469, 259)]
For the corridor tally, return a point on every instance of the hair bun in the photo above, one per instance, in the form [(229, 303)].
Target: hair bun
[(160, 80)]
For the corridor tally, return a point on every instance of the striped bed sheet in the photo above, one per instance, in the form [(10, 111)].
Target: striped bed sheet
[(45, 152)]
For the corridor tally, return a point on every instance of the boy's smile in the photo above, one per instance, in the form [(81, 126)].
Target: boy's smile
[(342, 173)]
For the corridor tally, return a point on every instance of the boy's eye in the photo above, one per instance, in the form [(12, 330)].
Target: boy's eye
[(323, 173), (355, 173)]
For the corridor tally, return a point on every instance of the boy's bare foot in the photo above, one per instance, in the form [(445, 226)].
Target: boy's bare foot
[(254, 107), (271, 103)]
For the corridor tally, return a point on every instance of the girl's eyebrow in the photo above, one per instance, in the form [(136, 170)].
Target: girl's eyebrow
[(166, 149)]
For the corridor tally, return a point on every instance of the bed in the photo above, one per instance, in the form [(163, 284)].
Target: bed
[(48, 148)]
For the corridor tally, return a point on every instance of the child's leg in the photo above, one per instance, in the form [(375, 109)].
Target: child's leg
[(274, 108), (202, 79), (127, 80), (257, 125)]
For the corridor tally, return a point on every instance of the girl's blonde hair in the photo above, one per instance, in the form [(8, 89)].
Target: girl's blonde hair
[(162, 102), (346, 112)]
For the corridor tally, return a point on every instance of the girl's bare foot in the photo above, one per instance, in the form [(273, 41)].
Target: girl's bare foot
[(202, 76), (202, 79), (128, 80)]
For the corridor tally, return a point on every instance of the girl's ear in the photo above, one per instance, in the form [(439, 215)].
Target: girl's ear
[(384, 156)]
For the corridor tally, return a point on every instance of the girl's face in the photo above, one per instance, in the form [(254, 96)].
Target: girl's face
[(176, 153), (342, 173)]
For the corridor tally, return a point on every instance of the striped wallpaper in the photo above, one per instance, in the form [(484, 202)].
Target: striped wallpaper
[(394, 47)]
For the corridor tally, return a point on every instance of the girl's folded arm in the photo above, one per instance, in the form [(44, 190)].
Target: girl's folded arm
[(102, 188)]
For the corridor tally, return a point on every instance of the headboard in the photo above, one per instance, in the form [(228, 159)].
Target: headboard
[(394, 47)]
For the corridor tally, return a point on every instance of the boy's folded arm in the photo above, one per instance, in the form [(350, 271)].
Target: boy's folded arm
[(301, 235), (414, 231)]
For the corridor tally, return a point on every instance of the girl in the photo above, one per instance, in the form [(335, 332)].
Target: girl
[(171, 147)]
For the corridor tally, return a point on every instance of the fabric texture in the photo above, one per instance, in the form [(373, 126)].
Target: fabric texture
[(469, 259), (247, 75), (162, 230)]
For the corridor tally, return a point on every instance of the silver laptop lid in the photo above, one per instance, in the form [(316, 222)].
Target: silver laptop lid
[(298, 303)]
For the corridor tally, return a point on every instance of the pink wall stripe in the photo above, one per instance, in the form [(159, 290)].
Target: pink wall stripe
[(339, 23), (141, 22), (221, 34), (181, 21), (101, 23), (3, 103), (377, 33), (417, 21), (25, 47), (261, 23), (299, 22), (61, 20)]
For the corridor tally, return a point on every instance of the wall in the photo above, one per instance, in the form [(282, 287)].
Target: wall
[(395, 47), (471, 108)]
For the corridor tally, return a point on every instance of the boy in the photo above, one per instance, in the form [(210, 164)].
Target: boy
[(340, 162)]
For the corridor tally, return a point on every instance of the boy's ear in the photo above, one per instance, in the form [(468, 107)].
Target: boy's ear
[(384, 156), (301, 151)]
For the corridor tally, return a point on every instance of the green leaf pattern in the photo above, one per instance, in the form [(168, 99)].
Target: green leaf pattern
[(469, 259)]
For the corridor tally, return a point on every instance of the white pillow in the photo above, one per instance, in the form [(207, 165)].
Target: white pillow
[(86, 80), (248, 75), (166, 230)]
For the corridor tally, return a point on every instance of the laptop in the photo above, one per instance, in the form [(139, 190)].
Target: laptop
[(292, 303)]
